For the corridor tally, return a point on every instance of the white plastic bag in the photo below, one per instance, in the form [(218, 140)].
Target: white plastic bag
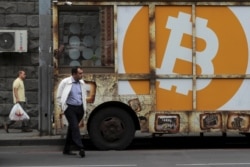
[(17, 113)]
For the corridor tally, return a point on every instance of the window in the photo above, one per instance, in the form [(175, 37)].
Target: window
[(86, 34)]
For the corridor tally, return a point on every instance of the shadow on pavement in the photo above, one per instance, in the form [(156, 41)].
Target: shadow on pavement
[(195, 142)]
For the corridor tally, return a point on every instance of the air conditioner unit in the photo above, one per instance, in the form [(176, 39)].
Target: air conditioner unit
[(13, 40)]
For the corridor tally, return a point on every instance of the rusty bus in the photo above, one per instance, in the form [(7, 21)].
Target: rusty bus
[(161, 67)]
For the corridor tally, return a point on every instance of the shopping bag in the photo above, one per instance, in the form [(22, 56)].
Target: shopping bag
[(17, 113)]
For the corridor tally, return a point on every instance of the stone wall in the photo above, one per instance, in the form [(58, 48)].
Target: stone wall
[(21, 14)]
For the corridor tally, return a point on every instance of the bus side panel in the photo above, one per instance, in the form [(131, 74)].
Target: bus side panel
[(218, 98)]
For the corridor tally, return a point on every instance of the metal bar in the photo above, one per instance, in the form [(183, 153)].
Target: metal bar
[(45, 79), (55, 36), (161, 2), (204, 76), (152, 55), (194, 57), (115, 38)]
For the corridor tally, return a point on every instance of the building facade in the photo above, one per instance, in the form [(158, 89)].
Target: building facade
[(25, 15)]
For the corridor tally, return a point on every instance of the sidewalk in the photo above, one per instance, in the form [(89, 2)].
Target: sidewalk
[(16, 137)]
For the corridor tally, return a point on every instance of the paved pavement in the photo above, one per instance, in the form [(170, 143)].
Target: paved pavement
[(16, 137)]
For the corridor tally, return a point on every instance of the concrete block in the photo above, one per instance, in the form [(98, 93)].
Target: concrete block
[(33, 33), (33, 21), (31, 85), (8, 7), (25, 7), (16, 20)]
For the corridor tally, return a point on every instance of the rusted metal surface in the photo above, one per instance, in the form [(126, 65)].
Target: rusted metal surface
[(194, 58), (152, 56), (160, 2), (160, 121), (55, 28), (115, 39)]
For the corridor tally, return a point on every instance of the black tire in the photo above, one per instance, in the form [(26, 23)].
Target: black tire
[(111, 128)]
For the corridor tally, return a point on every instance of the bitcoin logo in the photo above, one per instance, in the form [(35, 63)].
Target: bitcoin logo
[(221, 48), (175, 51)]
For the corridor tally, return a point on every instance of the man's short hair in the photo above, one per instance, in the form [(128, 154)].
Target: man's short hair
[(74, 70), (20, 72)]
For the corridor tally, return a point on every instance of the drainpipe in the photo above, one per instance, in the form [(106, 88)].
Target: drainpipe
[(45, 68)]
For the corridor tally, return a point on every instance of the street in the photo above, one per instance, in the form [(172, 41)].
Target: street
[(137, 155), (51, 156)]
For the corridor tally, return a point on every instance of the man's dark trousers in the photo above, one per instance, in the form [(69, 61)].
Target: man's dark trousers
[(74, 115)]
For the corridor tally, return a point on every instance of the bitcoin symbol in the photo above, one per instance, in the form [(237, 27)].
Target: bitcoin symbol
[(219, 32), (180, 26)]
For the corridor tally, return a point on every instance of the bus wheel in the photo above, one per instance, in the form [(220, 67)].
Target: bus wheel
[(111, 128)]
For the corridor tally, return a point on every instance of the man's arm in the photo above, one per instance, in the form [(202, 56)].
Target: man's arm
[(16, 94), (59, 93)]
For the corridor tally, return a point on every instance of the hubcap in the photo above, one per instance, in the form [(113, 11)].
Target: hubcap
[(112, 129)]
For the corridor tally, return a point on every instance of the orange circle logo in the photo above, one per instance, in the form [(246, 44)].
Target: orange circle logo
[(221, 48)]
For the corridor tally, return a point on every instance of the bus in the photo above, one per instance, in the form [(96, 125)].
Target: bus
[(159, 67)]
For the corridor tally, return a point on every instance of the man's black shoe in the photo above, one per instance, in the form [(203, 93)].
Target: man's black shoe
[(69, 153), (82, 153)]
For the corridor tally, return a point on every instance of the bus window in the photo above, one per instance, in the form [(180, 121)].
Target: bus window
[(86, 34)]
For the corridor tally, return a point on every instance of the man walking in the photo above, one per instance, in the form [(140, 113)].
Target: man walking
[(19, 97), (71, 98)]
